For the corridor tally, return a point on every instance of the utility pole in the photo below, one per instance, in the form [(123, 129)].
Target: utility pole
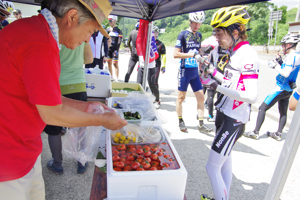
[(123, 27), (298, 13)]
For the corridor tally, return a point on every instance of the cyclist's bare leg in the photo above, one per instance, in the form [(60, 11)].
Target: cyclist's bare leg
[(179, 100), (200, 103), (116, 65), (109, 63)]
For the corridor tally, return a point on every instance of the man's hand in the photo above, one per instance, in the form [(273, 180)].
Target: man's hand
[(279, 59), (112, 121), (209, 83), (104, 60), (272, 64), (163, 69)]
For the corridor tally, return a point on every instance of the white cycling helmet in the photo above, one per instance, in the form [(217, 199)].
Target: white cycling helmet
[(290, 38), (197, 17), (6, 8), (112, 17)]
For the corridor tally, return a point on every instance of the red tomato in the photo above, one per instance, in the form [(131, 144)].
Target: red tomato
[(159, 167), (146, 148), (114, 148), (122, 152), (135, 165), (154, 163), (130, 146), (120, 164), (130, 157), (139, 160), (117, 169), (162, 150), (134, 155), (164, 143), (127, 168), (132, 150), (138, 146), (171, 160), (139, 151), (115, 163), (154, 157), (153, 168), (123, 156), (128, 162), (147, 153), (121, 147), (167, 156), (122, 160), (116, 158), (160, 153), (140, 157), (165, 165), (140, 169), (147, 159), (115, 152), (146, 165), (154, 148)]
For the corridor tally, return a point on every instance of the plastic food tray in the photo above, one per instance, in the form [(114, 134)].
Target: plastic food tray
[(133, 110), (153, 127), (112, 100)]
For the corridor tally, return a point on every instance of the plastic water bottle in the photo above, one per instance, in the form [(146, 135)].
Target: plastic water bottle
[(96, 70), (104, 72), (87, 70)]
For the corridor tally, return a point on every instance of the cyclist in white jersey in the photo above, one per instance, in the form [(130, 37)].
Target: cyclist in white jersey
[(238, 89)]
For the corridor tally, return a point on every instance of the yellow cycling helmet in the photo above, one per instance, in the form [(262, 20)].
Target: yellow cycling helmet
[(230, 15)]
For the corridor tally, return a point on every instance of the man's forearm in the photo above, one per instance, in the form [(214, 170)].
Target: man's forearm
[(78, 105)]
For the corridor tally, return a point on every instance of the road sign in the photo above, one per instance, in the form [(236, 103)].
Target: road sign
[(275, 15), (271, 23), (270, 30)]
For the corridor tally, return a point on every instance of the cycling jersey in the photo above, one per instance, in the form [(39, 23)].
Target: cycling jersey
[(161, 50), (116, 37), (292, 64), (243, 64), (132, 42), (188, 43), (296, 95)]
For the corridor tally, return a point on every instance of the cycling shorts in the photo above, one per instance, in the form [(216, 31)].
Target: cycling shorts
[(113, 55), (276, 95), (228, 131), (188, 76)]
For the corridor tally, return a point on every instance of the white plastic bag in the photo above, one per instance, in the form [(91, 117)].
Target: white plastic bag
[(82, 143)]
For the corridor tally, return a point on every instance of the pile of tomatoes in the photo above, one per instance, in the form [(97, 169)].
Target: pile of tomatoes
[(143, 157)]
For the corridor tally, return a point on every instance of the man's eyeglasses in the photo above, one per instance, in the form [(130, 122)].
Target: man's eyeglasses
[(111, 20), (16, 13)]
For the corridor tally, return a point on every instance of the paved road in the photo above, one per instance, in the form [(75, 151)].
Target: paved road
[(253, 160)]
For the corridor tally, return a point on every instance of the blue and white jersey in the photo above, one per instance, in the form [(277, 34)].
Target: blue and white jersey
[(188, 43), (291, 66)]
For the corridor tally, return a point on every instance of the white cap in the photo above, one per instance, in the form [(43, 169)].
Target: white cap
[(112, 17)]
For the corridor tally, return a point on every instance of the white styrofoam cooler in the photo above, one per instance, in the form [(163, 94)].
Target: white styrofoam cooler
[(145, 185), (97, 85)]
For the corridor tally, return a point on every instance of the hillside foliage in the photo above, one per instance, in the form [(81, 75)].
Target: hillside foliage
[(259, 24)]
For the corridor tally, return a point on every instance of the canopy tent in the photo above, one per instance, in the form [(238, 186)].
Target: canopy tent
[(156, 9)]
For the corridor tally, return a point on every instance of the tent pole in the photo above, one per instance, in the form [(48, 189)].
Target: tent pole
[(146, 63), (286, 158)]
